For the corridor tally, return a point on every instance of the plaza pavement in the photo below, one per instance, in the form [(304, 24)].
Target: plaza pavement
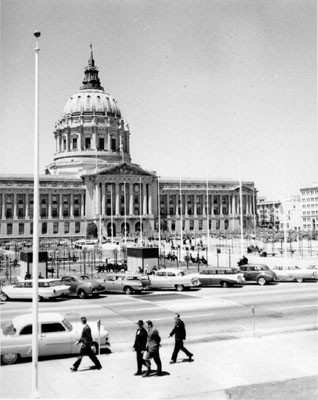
[(222, 369)]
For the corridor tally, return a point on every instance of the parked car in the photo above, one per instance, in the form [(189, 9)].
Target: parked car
[(57, 336), (126, 283), (259, 273), (47, 289), (221, 276), (83, 286), (173, 278), (293, 273)]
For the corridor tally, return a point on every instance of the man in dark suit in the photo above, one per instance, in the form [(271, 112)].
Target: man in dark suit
[(86, 342), (180, 335), (153, 344), (140, 345)]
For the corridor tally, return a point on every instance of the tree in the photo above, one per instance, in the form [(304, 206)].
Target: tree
[(91, 230)]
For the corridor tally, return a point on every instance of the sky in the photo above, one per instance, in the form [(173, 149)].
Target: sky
[(211, 89)]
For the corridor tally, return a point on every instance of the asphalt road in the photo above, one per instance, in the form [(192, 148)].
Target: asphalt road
[(209, 313)]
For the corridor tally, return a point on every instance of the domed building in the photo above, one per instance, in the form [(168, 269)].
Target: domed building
[(92, 179)]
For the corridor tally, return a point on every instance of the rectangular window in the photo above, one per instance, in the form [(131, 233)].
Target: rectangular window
[(9, 229), (31, 228), (77, 227), (9, 206), (77, 206), (74, 143), (21, 205), (21, 229), (113, 144), (43, 205), (55, 228), (66, 205), (87, 143), (55, 206), (101, 144), (44, 228), (66, 227)]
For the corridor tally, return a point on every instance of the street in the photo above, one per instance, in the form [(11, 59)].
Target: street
[(209, 313)]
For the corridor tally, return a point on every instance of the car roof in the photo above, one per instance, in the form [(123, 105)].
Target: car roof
[(170, 270), (21, 320)]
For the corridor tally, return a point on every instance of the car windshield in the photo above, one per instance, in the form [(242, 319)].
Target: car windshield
[(67, 324), (85, 277), (9, 329), (55, 283)]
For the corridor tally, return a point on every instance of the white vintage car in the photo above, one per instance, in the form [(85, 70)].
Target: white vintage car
[(48, 289), (293, 273), (57, 336), (173, 278)]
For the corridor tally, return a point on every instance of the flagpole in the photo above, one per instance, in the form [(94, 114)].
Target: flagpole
[(125, 212), (140, 211), (241, 211), (111, 211), (207, 221), (181, 222), (159, 221), (35, 260)]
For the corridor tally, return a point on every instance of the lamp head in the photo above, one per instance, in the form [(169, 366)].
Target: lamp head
[(37, 34)]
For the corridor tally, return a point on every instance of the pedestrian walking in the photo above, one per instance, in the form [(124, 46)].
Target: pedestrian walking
[(86, 342), (140, 345), (153, 344), (179, 333)]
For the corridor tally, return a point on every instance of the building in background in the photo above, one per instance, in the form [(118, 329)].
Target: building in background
[(309, 205), (271, 213), (92, 179)]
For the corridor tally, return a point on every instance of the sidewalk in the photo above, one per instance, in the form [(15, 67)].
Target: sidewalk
[(217, 370)]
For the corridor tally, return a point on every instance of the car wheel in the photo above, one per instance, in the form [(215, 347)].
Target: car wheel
[(224, 284), (4, 297), (40, 298), (82, 294), (128, 290), (180, 288), (261, 281), (95, 347), (10, 358), (299, 280)]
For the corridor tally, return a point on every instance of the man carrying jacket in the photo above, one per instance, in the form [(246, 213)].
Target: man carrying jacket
[(153, 344), (140, 345), (179, 333)]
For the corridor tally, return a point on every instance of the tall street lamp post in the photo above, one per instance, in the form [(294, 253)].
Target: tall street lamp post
[(35, 261)]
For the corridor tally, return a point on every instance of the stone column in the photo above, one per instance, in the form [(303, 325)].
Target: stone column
[(15, 216), (50, 206), (26, 207), (186, 205), (204, 202), (82, 206), (195, 214), (117, 199), (212, 205), (60, 206), (233, 205), (71, 205), (144, 207), (131, 199), (177, 204), (97, 198), (103, 197), (150, 186)]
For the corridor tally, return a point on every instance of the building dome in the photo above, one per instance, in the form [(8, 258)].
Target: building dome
[(91, 101), (91, 131)]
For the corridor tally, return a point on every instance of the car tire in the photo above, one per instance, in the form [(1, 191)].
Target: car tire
[(179, 288), (224, 284), (128, 290), (261, 281), (4, 297), (82, 294), (40, 298), (299, 280), (10, 358)]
